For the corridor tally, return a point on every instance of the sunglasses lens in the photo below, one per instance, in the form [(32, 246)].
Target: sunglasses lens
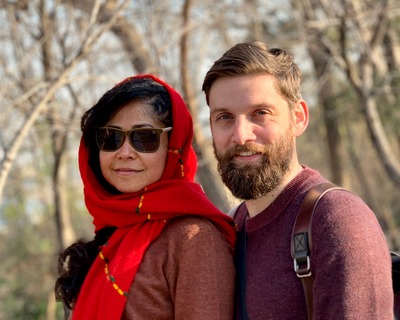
[(109, 139), (146, 140), (142, 140)]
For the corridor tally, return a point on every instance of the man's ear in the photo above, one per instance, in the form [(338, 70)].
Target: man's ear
[(300, 117)]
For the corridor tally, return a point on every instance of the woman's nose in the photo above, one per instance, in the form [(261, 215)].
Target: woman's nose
[(126, 150)]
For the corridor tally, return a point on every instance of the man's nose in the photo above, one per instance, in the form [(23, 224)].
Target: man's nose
[(243, 131)]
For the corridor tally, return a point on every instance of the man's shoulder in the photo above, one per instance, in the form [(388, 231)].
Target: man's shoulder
[(343, 213), (340, 198)]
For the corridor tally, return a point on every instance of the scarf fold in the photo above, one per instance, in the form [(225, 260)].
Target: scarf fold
[(141, 217)]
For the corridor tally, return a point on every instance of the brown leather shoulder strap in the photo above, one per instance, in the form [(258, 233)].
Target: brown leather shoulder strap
[(301, 240)]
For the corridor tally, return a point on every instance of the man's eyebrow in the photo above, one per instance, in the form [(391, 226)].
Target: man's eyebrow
[(222, 109), (253, 107), (262, 105)]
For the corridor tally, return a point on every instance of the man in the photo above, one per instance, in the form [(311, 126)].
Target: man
[(256, 114)]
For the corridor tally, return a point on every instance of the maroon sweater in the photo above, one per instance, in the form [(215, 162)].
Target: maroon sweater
[(350, 258)]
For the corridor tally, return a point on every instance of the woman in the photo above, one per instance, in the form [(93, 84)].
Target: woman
[(161, 250)]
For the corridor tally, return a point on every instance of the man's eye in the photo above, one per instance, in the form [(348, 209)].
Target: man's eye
[(260, 113), (224, 117)]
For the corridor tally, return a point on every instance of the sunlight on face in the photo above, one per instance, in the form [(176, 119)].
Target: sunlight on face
[(127, 169), (251, 125)]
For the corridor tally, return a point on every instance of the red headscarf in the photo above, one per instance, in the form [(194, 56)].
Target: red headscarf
[(141, 217)]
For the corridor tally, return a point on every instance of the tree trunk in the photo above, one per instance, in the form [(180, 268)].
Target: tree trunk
[(329, 107), (207, 175)]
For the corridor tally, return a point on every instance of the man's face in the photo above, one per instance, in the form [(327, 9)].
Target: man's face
[(251, 125)]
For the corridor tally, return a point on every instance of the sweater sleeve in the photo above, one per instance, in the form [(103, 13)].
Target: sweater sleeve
[(351, 261), (205, 275), (186, 274)]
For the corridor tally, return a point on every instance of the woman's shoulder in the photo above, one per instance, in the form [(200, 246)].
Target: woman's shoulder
[(191, 226), (189, 234)]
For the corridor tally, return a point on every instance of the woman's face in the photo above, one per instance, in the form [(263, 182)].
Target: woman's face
[(127, 169)]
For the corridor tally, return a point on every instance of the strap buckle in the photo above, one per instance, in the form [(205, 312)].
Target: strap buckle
[(301, 261)]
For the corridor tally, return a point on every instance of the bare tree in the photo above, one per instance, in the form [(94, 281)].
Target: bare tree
[(207, 176), (359, 33), (53, 81), (357, 40), (59, 57)]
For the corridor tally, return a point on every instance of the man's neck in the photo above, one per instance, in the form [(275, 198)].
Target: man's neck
[(254, 207)]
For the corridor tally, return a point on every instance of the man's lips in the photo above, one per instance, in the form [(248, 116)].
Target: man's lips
[(247, 156)]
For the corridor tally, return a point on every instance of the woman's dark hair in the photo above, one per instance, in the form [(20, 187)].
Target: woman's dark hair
[(75, 262)]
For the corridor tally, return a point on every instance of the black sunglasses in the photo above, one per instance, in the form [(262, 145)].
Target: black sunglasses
[(144, 140)]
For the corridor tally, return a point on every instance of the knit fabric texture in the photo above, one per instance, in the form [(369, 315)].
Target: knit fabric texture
[(350, 259), (187, 273)]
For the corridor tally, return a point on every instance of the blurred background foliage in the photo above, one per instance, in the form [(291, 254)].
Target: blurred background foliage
[(59, 57)]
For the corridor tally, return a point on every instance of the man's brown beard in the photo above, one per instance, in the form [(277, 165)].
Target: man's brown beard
[(251, 181)]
